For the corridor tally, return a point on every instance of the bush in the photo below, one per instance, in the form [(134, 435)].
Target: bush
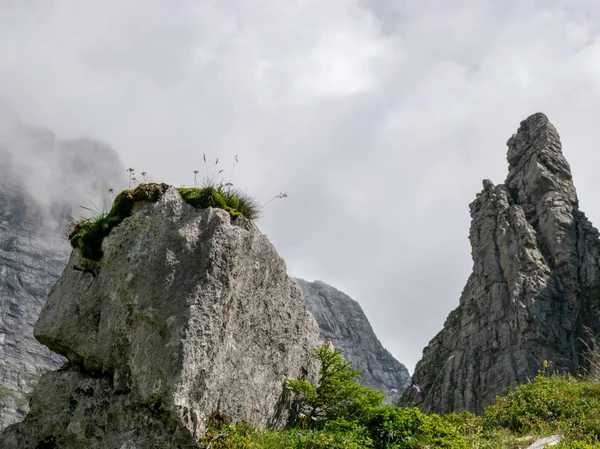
[(404, 428), (576, 445), (465, 422), (341, 406), (555, 405), (242, 436), (337, 395), (235, 201), (87, 235), (549, 405)]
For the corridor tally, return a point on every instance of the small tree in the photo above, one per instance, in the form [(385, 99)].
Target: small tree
[(337, 395)]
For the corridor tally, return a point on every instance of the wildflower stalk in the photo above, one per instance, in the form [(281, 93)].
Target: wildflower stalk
[(131, 173), (279, 196), (232, 167)]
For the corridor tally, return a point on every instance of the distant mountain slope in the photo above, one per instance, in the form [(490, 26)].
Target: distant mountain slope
[(31, 260), (42, 184), (343, 322)]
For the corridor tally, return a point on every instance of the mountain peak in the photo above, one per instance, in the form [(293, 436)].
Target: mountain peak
[(536, 164), (535, 286)]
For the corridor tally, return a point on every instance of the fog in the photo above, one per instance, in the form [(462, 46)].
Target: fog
[(64, 177)]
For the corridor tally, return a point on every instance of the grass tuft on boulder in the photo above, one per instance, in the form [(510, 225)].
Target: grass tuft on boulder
[(235, 201), (88, 234)]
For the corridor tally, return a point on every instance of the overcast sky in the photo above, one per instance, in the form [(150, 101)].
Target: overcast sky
[(378, 118)]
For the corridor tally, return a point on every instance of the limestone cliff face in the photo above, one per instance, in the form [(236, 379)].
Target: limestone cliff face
[(43, 182), (343, 322), (31, 260), (535, 285), (188, 312)]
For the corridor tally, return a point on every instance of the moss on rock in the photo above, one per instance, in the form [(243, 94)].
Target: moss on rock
[(87, 235), (201, 198)]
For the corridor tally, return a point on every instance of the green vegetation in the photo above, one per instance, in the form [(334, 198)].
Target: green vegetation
[(563, 405), (6, 392), (339, 413), (337, 395), (23, 398), (244, 437), (88, 234), (234, 201)]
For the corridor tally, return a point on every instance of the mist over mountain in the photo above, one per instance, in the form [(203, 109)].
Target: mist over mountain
[(60, 175), (44, 181)]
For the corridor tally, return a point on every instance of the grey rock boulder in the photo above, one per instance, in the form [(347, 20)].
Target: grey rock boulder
[(542, 443), (534, 293), (73, 409), (187, 313), (342, 321)]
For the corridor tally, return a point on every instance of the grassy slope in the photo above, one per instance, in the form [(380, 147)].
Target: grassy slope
[(546, 406)]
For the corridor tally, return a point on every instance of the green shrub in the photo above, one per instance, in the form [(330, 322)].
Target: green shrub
[(87, 235), (465, 422), (337, 395), (235, 201), (555, 405), (6, 392), (341, 406), (576, 445), (245, 437), (549, 405), (404, 428)]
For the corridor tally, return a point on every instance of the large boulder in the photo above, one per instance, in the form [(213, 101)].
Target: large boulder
[(187, 313), (534, 294)]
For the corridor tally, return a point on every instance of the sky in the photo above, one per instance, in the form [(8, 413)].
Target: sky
[(379, 119)]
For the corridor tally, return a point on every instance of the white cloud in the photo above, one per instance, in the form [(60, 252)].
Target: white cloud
[(378, 118)]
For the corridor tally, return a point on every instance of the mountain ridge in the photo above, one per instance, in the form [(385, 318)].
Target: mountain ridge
[(343, 322)]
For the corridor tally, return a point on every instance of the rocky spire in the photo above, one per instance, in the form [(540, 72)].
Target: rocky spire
[(535, 286)]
